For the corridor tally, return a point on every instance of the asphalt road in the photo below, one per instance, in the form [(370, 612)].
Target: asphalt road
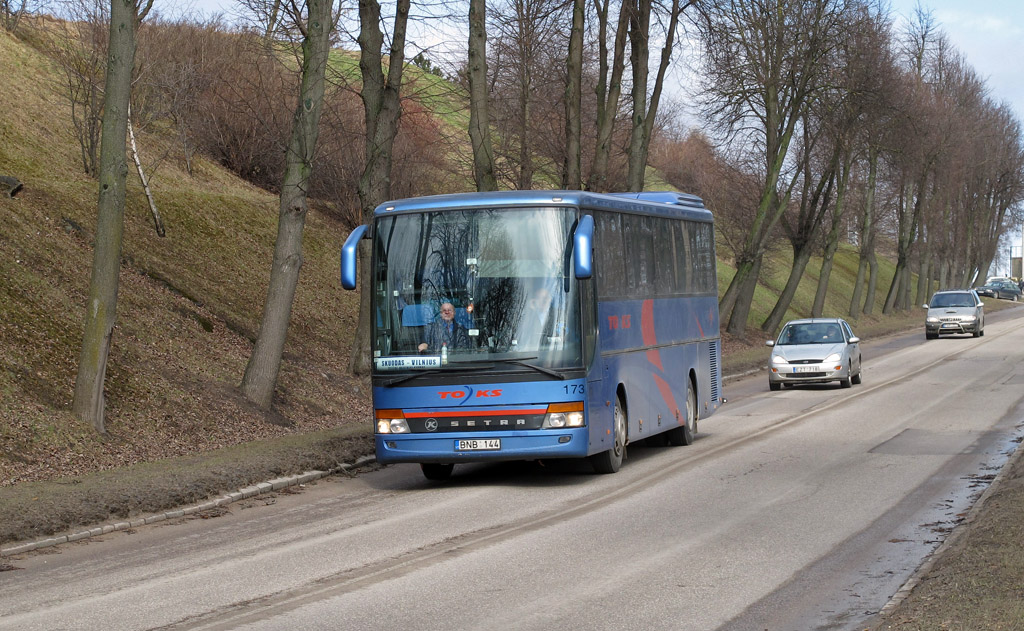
[(800, 509)]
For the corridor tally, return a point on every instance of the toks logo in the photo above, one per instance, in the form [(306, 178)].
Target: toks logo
[(459, 394)]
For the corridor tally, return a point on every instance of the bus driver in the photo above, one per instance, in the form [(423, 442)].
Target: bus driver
[(445, 331)]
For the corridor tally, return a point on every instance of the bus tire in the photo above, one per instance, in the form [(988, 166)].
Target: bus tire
[(683, 434), (610, 461), (436, 471)]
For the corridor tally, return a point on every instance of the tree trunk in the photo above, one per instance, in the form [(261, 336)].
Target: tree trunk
[(643, 124), (265, 362), (801, 257), (869, 297), (866, 229), (572, 177), (831, 242), (525, 180), (609, 88), (101, 308), (382, 110), (924, 276), (479, 116), (639, 32), (741, 310)]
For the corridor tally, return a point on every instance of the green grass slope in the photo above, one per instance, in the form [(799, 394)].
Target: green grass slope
[(189, 304)]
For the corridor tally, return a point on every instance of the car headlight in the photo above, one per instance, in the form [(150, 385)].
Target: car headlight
[(561, 415), (391, 422), (932, 319), (778, 359), (968, 319), (834, 357)]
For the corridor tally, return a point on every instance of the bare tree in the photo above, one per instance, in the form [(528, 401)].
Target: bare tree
[(383, 110), (644, 114), (101, 307), (572, 176), (11, 12), (79, 48), (609, 87), (180, 62), (479, 118), (315, 21), (527, 42), (766, 61)]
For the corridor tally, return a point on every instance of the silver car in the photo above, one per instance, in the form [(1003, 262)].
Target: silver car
[(954, 311), (815, 350)]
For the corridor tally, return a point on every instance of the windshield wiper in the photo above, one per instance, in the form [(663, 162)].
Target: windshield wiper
[(520, 362), (541, 369), (432, 371)]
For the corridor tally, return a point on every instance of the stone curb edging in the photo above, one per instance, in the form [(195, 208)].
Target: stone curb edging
[(250, 491), (958, 532)]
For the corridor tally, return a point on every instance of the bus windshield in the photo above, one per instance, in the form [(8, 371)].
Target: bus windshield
[(460, 287)]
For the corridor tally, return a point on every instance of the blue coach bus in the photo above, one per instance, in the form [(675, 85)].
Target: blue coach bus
[(531, 325)]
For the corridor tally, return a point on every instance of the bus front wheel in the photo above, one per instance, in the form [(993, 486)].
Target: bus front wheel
[(435, 471), (610, 461)]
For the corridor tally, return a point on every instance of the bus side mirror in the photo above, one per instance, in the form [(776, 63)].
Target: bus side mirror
[(583, 243), (349, 268)]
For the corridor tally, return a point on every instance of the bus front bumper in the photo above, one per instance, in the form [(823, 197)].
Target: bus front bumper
[(444, 448)]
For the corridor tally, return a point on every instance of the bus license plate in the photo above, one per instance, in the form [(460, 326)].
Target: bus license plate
[(478, 444)]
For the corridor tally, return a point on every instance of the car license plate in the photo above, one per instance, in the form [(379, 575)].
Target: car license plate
[(805, 369), (478, 444), (951, 326)]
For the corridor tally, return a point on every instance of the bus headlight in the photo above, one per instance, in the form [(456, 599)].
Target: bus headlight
[(564, 415), (392, 426), (391, 422)]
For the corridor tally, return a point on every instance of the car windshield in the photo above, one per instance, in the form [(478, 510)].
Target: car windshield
[(959, 299), (810, 333)]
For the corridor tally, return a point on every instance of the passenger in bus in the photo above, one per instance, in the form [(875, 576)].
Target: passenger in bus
[(445, 331)]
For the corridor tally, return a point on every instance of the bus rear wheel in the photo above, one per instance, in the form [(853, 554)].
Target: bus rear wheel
[(435, 471), (610, 461), (683, 435)]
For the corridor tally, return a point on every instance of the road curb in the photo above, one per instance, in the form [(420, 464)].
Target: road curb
[(957, 533), (228, 498)]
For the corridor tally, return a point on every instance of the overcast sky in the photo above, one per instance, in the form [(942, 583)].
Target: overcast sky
[(990, 34)]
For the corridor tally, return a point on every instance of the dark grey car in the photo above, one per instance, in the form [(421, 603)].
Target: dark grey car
[(954, 311)]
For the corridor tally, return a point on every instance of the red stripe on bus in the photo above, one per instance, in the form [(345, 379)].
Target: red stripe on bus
[(666, 393), (650, 338), (447, 413)]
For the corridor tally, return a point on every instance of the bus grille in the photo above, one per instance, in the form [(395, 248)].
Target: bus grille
[(715, 352)]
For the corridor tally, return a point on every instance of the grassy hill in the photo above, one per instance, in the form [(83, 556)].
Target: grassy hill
[(189, 303)]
